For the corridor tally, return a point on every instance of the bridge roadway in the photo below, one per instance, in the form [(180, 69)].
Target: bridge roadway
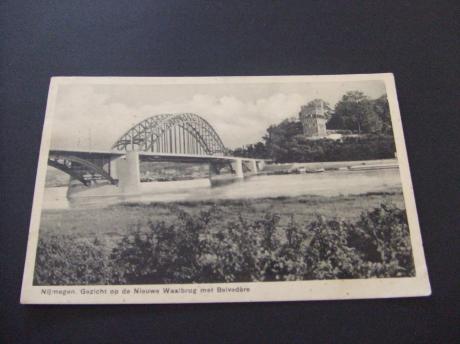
[(123, 168), (148, 156)]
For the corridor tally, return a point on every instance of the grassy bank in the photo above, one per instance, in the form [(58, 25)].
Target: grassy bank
[(119, 219), (271, 239)]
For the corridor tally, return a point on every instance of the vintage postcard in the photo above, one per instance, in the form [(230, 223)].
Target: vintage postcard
[(223, 189)]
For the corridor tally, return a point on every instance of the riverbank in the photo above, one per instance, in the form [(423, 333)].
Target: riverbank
[(306, 167), (120, 218), (270, 239)]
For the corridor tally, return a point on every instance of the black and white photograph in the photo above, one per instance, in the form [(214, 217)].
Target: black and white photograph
[(223, 189)]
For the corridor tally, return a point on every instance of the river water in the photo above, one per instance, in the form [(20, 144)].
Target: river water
[(331, 183)]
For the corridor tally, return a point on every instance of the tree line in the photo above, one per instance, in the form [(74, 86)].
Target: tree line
[(355, 113)]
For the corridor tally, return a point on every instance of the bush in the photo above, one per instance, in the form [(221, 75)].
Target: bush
[(68, 260), (382, 236), (329, 254), (203, 249)]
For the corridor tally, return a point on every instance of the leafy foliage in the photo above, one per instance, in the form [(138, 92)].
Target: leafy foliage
[(329, 254), (202, 249), (356, 112), (382, 109), (258, 150), (383, 236), (67, 260), (300, 149)]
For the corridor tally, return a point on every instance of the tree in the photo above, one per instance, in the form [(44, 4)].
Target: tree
[(257, 150), (357, 113), (382, 110), (335, 122), (280, 138)]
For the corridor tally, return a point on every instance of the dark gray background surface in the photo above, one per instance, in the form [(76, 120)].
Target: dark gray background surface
[(416, 40)]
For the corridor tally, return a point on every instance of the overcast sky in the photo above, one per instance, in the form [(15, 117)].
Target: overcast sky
[(90, 116)]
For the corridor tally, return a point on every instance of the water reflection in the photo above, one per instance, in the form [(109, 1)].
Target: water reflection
[(325, 184)]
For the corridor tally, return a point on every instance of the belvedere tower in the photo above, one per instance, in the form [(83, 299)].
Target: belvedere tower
[(313, 120)]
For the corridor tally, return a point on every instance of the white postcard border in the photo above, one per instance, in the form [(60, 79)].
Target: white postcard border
[(258, 291)]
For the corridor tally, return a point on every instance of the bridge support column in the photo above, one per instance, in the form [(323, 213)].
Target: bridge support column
[(237, 165), (260, 165), (128, 171), (113, 167), (254, 168)]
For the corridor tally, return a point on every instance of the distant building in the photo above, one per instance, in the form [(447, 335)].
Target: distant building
[(313, 120)]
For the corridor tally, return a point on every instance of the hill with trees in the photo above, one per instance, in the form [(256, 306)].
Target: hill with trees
[(366, 121)]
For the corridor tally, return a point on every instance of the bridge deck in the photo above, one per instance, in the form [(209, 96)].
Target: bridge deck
[(149, 156)]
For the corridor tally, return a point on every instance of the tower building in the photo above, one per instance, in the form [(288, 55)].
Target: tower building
[(313, 120)]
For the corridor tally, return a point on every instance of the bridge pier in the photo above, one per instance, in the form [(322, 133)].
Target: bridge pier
[(253, 166), (260, 165), (128, 172), (224, 172), (112, 167), (237, 165)]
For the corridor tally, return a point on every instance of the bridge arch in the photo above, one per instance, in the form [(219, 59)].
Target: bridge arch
[(184, 133)]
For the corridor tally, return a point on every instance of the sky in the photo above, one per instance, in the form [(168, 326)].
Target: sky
[(94, 116)]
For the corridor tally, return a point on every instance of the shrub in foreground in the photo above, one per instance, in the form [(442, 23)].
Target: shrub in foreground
[(67, 260), (200, 249)]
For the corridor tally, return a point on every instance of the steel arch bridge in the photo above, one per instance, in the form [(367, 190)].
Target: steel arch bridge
[(184, 133), (185, 137)]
